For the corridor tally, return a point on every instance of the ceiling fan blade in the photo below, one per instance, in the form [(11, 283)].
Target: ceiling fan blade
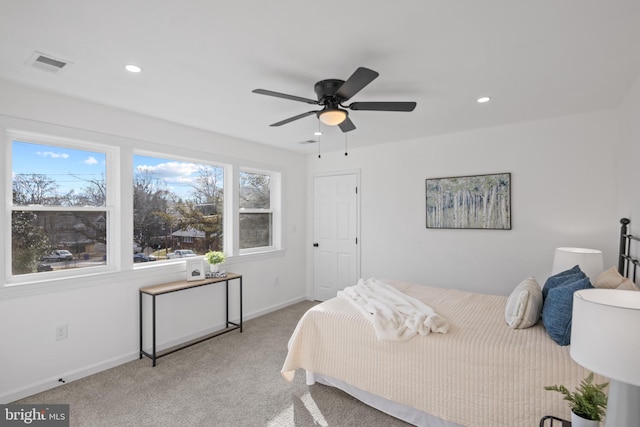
[(285, 96), (347, 125), (290, 119), (383, 106), (354, 84)]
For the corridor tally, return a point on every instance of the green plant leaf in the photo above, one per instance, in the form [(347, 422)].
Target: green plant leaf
[(588, 401)]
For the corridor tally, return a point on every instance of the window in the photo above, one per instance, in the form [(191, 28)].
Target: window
[(177, 205), (64, 218), (256, 202), (59, 211)]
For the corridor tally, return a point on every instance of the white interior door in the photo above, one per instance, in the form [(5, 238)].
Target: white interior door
[(336, 258)]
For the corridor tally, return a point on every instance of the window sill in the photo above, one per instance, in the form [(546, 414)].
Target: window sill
[(47, 285), (255, 255), (139, 275)]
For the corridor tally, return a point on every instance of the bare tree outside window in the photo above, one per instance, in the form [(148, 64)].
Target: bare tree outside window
[(58, 220), (177, 206)]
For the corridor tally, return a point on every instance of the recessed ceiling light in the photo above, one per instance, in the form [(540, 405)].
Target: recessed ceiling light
[(317, 133), (483, 99), (133, 68)]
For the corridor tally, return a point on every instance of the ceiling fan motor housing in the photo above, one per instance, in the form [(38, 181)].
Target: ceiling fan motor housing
[(326, 89)]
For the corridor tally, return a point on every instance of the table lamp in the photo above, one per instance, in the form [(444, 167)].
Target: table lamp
[(604, 340), (589, 260)]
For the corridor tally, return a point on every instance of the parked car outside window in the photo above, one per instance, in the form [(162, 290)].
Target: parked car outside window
[(140, 257), (58, 255), (181, 253)]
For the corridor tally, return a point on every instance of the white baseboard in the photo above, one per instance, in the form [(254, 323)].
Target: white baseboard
[(53, 382), (273, 308)]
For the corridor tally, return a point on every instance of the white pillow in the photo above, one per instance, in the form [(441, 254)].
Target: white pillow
[(524, 305)]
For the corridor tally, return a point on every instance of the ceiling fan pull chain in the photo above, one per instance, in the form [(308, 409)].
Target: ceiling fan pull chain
[(345, 144), (319, 139)]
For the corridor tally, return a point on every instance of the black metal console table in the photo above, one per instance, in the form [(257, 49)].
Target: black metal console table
[(166, 288), (552, 422)]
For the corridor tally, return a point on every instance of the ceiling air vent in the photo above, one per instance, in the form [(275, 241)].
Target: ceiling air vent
[(46, 62)]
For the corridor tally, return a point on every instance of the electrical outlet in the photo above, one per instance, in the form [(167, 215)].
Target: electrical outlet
[(61, 332)]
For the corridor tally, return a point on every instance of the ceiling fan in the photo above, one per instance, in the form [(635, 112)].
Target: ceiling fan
[(332, 94)]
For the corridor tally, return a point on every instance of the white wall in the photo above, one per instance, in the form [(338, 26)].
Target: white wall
[(563, 176), (102, 312), (628, 163), (628, 156)]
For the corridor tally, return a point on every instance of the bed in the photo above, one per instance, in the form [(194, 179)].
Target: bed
[(480, 373)]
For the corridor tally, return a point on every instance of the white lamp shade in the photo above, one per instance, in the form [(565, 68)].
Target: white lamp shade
[(589, 260), (603, 333)]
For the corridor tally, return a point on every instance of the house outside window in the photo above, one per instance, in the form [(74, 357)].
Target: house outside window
[(60, 208), (177, 205)]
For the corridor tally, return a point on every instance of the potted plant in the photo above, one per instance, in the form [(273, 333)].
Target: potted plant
[(215, 258), (588, 403)]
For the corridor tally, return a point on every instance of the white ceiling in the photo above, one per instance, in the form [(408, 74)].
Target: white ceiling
[(202, 58)]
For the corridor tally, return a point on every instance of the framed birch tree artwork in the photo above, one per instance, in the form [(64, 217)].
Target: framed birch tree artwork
[(478, 202)]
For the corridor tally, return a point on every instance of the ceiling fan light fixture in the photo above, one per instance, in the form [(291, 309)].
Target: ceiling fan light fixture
[(332, 117)]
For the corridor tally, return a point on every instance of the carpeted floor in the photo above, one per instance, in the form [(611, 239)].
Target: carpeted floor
[(232, 380)]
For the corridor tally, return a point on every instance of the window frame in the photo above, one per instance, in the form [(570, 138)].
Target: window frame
[(275, 208), (226, 172), (110, 208)]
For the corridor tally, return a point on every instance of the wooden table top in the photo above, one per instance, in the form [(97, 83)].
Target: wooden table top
[(184, 284)]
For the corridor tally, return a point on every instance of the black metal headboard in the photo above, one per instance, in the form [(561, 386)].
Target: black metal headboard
[(625, 260)]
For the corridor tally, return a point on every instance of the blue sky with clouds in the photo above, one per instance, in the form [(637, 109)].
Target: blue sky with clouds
[(71, 168), (178, 176)]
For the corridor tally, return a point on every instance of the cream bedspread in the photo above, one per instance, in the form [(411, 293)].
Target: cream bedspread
[(481, 373)]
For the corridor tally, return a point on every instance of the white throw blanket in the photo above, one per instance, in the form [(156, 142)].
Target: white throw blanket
[(395, 316)]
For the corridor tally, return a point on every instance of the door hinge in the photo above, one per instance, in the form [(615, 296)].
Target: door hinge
[(356, 190), (356, 240)]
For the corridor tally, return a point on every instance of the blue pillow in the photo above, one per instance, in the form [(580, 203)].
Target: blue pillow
[(562, 278), (558, 308)]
